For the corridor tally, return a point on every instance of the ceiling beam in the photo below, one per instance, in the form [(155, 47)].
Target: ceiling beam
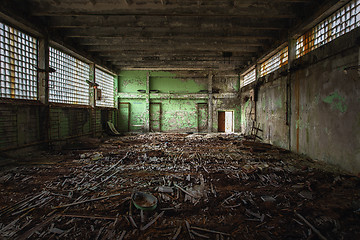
[(184, 47), (177, 58), (204, 64), (170, 54), (169, 32), (265, 9), (242, 38), (150, 21), (168, 41)]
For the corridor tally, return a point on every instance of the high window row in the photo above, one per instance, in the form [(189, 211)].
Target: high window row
[(340, 22), (68, 84)]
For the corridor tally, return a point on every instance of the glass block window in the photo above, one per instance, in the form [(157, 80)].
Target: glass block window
[(342, 21), (106, 85), (18, 63), (68, 84), (275, 62), (249, 77)]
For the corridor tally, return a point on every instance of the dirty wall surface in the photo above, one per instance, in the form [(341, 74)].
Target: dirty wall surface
[(322, 121), (326, 111), (213, 186), (33, 124), (19, 125), (182, 100), (271, 113)]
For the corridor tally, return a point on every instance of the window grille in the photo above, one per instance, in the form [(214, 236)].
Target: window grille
[(68, 84), (106, 85), (18, 63), (249, 77), (342, 21), (275, 62)]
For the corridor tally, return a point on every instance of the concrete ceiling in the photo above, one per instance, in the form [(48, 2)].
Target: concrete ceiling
[(207, 34)]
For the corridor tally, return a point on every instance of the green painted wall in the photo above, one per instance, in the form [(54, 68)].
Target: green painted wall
[(174, 85), (131, 81), (175, 95), (137, 115), (179, 95), (179, 115)]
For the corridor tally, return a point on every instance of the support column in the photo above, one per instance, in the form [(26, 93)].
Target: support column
[(241, 79), (92, 80), (358, 70), (291, 58), (92, 100), (254, 92), (43, 88), (210, 103), (147, 102)]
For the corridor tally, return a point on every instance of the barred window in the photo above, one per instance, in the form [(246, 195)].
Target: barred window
[(249, 77), (68, 84), (18, 63), (342, 21), (106, 85), (275, 62)]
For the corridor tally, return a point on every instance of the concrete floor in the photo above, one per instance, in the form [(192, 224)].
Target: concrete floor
[(216, 186)]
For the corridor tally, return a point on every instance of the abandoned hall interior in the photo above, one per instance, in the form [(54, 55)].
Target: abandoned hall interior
[(180, 119)]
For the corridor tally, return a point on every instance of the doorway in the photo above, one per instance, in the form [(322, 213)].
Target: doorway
[(226, 121), (155, 117), (202, 109), (123, 118)]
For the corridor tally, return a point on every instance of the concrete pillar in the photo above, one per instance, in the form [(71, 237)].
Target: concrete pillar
[(43, 80), (92, 100), (147, 102), (43, 88), (241, 79), (255, 90), (358, 70), (291, 58), (210, 103), (92, 79)]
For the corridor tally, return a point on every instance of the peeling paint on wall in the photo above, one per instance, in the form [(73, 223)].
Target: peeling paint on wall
[(179, 94), (243, 112)]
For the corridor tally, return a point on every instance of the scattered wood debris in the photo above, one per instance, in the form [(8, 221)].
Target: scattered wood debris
[(208, 186)]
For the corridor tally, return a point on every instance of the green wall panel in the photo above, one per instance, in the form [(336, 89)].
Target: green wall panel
[(131, 81), (137, 115), (178, 97), (174, 85), (179, 115)]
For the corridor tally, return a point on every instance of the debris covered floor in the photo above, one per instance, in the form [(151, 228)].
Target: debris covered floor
[(212, 186)]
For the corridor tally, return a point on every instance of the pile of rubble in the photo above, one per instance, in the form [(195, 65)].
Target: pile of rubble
[(207, 186)]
